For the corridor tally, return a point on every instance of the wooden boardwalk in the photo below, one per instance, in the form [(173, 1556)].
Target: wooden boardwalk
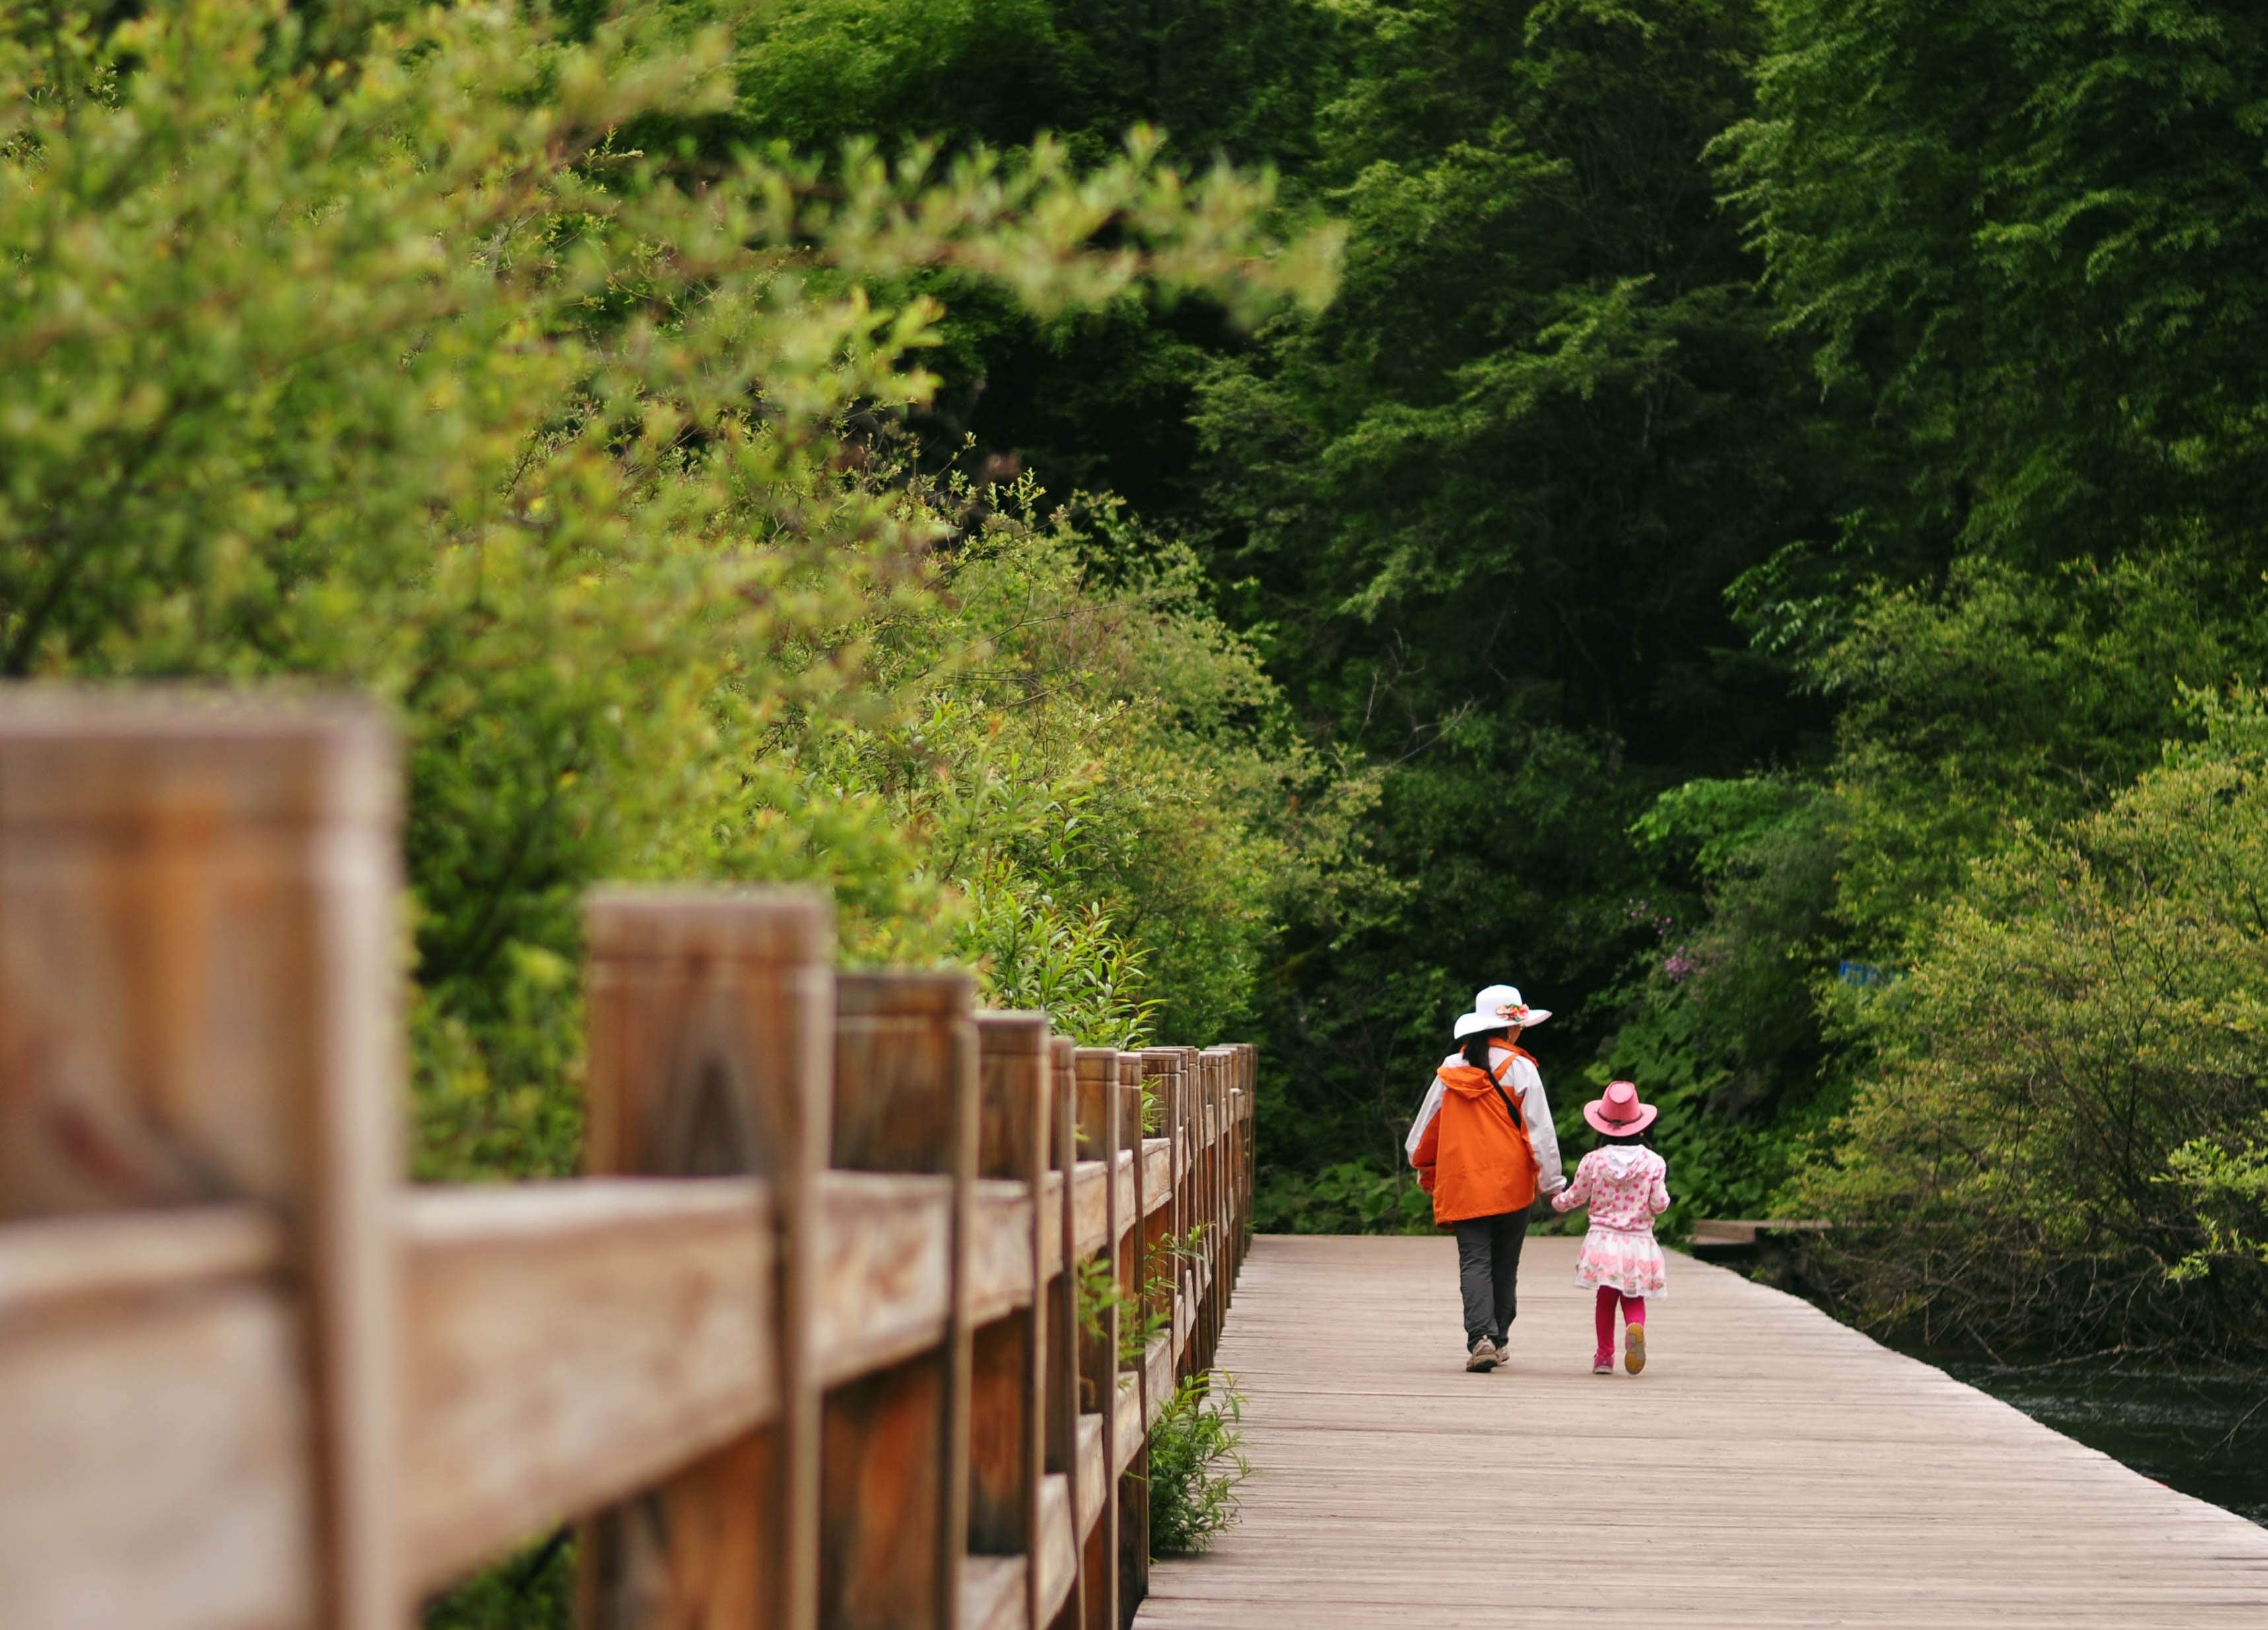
[(1770, 1468)]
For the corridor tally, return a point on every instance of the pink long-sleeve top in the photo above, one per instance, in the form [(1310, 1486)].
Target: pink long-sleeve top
[(1624, 1184)]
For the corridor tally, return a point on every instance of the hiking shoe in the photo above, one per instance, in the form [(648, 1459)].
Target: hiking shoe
[(1634, 1348), (1484, 1357), (1603, 1364)]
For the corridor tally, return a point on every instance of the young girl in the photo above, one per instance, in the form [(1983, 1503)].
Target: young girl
[(1622, 1182)]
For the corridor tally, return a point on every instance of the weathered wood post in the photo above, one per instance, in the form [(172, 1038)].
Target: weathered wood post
[(895, 1490), (1162, 1070), (199, 939), (1219, 1198), (1201, 1210), (1237, 1100), (1008, 1372), (711, 1028), (1240, 1104), (1224, 1253), (1225, 1188), (1097, 1074), (1249, 1056), (1177, 1066), (1216, 1235), (1133, 1562), (1063, 1318), (1231, 1170)]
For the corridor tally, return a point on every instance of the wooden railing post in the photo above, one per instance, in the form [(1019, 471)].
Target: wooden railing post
[(1224, 1255), (1175, 1071), (1097, 1076), (1228, 1164), (200, 1002), (1248, 1058), (1223, 1252), (1161, 1069), (711, 1024), (1133, 1560), (894, 1483), (1227, 1183), (1201, 1211), (1234, 1164), (1063, 1316), (1208, 1202), (1008, 1376)]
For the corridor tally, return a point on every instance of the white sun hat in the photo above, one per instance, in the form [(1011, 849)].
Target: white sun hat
[(1496, 1008)]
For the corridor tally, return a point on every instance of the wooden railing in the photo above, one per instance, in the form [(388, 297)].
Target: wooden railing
[(804, 1349)]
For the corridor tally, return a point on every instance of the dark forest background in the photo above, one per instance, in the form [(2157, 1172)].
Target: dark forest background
[(1777, 502), (1763, 548)]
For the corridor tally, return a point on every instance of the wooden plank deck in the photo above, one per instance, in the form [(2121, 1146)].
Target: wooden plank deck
[(1770, 1468)]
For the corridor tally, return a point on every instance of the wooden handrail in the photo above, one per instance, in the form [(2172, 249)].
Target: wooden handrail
[(802, 1354)]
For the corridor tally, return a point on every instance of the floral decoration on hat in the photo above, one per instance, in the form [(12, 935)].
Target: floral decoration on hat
[(1499, 1007)]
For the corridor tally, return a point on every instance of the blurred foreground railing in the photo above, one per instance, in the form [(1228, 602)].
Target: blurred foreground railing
[(803, 1351)]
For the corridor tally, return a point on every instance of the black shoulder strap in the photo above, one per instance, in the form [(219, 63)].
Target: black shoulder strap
[(1502, 1098)]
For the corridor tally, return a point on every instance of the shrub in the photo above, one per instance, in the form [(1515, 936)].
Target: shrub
[(1196, 1461), (2061, 1140), (534, 1591), (430, 351), (1350, 1197)]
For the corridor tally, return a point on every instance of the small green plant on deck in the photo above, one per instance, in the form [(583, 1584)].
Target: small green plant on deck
[(1196, 1461), (534, 1590)]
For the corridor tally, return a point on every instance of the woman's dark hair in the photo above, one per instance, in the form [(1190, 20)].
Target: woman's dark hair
[(1477, 1046)]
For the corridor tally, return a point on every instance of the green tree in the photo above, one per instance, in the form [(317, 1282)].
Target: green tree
[(2026, 239), (1099, 398)]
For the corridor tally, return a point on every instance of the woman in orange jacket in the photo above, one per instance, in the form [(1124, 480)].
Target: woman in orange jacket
[(1485, 1148)]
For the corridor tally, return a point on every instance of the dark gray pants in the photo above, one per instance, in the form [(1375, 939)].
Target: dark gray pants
[(1487, 1274)]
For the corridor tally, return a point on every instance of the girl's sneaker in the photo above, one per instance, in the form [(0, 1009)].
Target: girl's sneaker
[(1603, 1363), (1484, 1356), (1634, 1348)]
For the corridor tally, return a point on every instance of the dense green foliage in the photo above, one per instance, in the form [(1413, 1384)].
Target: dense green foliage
[(379, 353), (1482, 511), (1769, 459), (2064, 1133), (2022, 243), (1730, 560)]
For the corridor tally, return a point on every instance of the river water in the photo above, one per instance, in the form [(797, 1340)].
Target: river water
[(2203, 1433)]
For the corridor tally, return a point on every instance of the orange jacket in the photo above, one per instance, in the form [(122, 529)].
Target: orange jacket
[(1475, 1159)]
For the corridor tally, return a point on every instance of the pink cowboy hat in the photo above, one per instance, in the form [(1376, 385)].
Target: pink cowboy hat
[(1618, 1112)]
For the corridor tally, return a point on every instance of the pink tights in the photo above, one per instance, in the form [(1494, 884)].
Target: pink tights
[(1633, 1312)]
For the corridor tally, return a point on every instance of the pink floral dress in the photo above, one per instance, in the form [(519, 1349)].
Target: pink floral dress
[(1624, 1186)]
